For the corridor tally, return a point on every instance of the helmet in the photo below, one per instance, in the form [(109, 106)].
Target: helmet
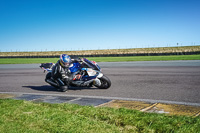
[(65, 60)]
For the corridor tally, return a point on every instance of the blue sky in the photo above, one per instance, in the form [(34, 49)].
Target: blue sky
[(49, 25)]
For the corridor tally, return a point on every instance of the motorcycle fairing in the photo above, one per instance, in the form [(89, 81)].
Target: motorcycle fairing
[(91, 64)]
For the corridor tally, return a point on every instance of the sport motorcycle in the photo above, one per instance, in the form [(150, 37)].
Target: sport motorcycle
[(88, 72)]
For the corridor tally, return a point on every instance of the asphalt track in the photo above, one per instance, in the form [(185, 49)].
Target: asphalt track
[(150, 81)]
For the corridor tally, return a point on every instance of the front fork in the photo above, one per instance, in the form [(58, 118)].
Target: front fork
[(97, 81)]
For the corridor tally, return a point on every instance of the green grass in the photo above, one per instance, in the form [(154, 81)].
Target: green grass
[(27, 117), (27, 60), (146, 58), (101, 59)]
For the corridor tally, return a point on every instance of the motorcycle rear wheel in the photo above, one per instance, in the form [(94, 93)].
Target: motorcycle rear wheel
[(105, 82)]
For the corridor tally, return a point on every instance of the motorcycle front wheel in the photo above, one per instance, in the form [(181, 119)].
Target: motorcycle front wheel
[(105, 82)]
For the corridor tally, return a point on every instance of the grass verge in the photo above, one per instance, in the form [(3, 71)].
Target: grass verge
[(102, 59), (19, 116)]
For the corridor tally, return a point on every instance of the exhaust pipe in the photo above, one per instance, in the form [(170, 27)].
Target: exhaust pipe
[(88, 82)]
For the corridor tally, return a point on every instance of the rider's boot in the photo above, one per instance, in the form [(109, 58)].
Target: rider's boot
[(62, 85)]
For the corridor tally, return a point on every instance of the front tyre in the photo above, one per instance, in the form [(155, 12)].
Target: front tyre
[(105, 82)]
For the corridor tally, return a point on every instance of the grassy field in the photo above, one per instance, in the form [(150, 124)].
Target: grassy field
[(107, 51), (27, 117), (101, 59)]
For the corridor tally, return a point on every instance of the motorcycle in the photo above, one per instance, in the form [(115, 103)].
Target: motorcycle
[(89, 74)]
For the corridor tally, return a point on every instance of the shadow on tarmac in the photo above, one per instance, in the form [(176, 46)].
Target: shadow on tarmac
[(51, 88), (42, 88)]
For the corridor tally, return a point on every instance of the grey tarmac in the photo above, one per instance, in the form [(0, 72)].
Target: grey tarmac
[(154, 81)]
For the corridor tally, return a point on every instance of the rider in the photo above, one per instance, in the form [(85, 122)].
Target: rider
[(61, 72)]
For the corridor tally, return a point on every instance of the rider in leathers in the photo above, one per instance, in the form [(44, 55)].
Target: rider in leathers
[(61, 72)]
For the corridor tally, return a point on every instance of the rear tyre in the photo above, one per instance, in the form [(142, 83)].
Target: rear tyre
[(48, 76), (105, 82)]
